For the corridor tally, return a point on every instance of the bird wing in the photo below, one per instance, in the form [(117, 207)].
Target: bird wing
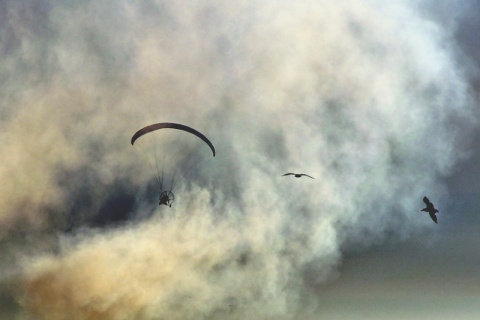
[(303, 174), (287, 174), (427, 202), (433, 216)]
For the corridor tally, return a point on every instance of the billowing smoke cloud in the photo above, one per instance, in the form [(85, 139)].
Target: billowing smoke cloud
[(369, 98)]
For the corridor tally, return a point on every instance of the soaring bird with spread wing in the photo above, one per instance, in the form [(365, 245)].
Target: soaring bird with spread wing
[(430, 209), (297, 175)]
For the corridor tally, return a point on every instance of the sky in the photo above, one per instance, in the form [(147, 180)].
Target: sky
[(377, 101)]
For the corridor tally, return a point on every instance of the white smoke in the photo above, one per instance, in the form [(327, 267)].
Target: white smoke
[(362, 96)]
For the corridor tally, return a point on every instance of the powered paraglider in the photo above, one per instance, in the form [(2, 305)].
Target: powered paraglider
[(166, 196)]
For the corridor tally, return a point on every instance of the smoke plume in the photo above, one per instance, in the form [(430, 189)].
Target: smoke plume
[(369, 98)]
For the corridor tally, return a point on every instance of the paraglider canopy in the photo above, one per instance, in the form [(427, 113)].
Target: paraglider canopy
[(164, 125)]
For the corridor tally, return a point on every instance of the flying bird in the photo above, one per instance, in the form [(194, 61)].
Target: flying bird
[(297, 175), (430, 209)]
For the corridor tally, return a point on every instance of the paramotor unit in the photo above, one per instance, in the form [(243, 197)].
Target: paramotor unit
[(166, 198)]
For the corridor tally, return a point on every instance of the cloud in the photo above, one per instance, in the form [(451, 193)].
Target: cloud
[(360, 96)]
